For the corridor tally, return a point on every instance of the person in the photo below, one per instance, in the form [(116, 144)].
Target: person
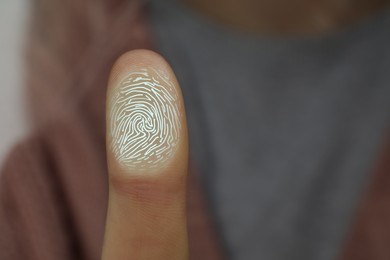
[(286, 105)]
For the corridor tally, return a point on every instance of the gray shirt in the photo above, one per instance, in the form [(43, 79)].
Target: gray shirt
[(285, 131)]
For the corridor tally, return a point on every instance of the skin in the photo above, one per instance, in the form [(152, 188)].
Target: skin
[(146, 213), (286, 17)]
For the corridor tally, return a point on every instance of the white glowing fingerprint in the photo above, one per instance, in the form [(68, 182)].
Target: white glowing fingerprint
[(144, 120)]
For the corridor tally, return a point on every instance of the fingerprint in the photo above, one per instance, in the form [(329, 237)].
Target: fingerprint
[(144, 120)]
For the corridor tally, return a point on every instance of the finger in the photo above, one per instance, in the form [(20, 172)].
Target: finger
[(147, 153)]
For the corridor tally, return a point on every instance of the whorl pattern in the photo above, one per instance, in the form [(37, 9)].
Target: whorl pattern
[(144, 120)]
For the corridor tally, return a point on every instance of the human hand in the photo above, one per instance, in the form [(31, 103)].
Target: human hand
[(147, 152)]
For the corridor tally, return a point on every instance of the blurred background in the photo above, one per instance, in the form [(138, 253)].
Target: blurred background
[(13, 16)]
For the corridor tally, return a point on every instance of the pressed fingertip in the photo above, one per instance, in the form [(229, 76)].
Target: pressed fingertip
[(145, 114)]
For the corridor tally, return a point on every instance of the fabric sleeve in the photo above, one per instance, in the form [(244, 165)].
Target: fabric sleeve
[(33, 222)]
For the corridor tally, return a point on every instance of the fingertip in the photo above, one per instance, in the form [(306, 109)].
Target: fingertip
[(146, 124), (139, 58)]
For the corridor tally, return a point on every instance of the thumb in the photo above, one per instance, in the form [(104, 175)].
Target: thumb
[(147, 153)]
